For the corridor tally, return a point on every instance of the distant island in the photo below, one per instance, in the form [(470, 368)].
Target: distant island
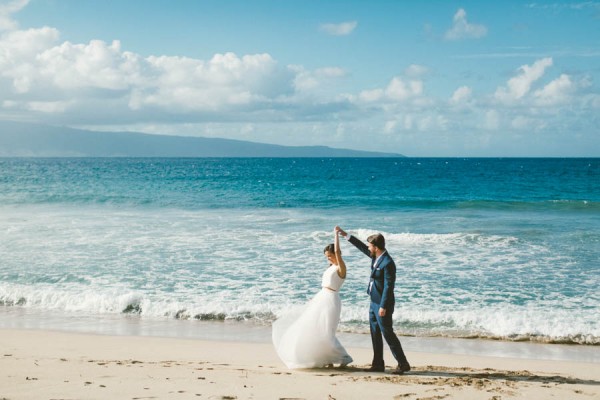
[(19, 139)]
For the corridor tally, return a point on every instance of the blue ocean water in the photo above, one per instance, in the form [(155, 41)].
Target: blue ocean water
[(491, 248)]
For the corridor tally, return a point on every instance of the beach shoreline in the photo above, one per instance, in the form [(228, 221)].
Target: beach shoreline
[(18, 318), (51, 364)]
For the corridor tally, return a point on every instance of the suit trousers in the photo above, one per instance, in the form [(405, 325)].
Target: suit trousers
[(382, 326)]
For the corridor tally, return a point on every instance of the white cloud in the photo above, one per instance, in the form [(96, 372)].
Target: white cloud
[(225, 80), (461, 95), (23, 46), (520, 85), (568, 5), (398, 90), (405, 123), (33, 62), (95, 65), (342, 29), (556, 92), (432, 123), (523, 123), (18, 58), (462, 29), (7, 8), (41, 69), (306, 81), (416, 71), (49, 107), (422, 123), (371, 95)]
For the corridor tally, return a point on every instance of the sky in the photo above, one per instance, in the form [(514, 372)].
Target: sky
[(420, 78)]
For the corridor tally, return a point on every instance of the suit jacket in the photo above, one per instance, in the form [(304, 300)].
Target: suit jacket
[(383, 276)]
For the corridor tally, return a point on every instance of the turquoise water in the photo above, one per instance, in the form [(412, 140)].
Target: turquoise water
[(494, 248)]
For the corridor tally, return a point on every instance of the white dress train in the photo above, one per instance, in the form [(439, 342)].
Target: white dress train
[(305, 337)]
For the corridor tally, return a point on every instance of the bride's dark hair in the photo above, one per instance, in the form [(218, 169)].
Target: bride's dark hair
[(329, 248)]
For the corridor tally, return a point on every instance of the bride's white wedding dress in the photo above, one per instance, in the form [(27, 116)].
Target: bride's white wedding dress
[(305, 337)]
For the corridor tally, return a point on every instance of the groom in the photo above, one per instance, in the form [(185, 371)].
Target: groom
[(381, 290)]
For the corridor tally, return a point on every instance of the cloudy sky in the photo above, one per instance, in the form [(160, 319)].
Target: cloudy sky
[(421, 78)]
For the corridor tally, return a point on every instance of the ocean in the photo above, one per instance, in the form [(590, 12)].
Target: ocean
[(505, 248)]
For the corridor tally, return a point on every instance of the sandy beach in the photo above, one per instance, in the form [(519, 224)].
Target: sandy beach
[(39, 364)]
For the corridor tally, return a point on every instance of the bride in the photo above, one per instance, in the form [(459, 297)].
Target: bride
[(305, 338)]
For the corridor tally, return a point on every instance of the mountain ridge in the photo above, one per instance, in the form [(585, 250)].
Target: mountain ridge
[(19, 139)]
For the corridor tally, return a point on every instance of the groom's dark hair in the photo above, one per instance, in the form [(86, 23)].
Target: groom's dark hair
[(377, 240)]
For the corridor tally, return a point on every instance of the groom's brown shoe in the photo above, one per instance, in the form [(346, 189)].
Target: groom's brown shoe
[(375, 368), (401, 369)]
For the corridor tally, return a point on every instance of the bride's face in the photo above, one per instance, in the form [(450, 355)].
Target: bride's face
[(330, 257)]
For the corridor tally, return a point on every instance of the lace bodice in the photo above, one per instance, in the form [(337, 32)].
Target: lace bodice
[(331, 279)]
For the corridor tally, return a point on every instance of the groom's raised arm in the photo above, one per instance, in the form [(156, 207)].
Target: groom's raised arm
[(355, 241), (359, 245)]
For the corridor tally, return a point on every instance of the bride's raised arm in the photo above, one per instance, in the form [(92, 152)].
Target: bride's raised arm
[(338, 255)]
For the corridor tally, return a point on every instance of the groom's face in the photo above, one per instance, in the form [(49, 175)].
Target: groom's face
[(372, 250)]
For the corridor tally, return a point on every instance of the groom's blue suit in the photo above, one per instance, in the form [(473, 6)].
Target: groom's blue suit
[(381, 291)]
